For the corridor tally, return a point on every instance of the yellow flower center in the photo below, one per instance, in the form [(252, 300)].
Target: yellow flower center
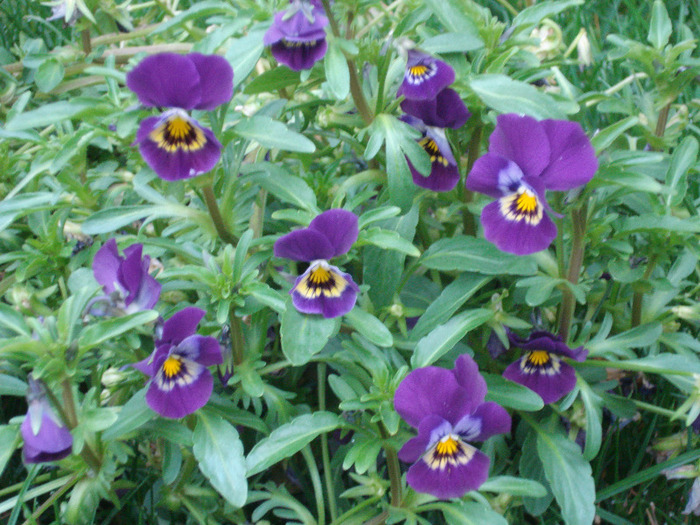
[(418, 70), (538, 357), (172, 366), (178, 133), (320, 275), (526, 203), (447, 447)]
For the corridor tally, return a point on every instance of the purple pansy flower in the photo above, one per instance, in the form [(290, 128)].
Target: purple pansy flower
[(45, 437), (425, 76), (322, 288), (297, 36), (174, 144), (446, 110), (541, 368), (525, 158), (447, 408), (125, 280), (180, 381)]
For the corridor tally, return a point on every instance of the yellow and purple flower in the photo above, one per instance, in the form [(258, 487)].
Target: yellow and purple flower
[(541, 368), (526, 157), (45, 437), (322, 288), (425, 76), (445, 110), (125, 280), (297, 37), (180, 381), (174, 144), (447, 408)]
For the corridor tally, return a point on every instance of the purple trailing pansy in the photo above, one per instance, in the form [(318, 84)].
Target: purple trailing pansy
[(180, 381), (322, 288), (425, 76), (45, 437), (125, 280), (541, 368), (297, 36), (174, 144), (447, 408), (525, 158), (446, 110)]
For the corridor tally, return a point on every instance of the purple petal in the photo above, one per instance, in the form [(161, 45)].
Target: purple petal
[(339, 227), (304, 245), (425, 76), (145, 366), (549, 383), (494, 175), (182, 399), (166, 80), (466, 372), (148, 293), (297, 27), (329, 305), (415, 447), (487, 420), (181, 163), (299, 56), (446, 110), (181, 325), (572, 159), (106, 264), (431, 390), (215, 80), (205, 350), (130, 272), (523, 140), (51, 438), (541, 340), (450, 482), (441, 177), (518, 237)]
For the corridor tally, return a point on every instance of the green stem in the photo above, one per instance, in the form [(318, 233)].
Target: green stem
[(631, 366), (512, 10), (216, 217), (51, 499), (468, 221), (70, 417), (662, 121), (638, 297), (327, 474), (379, 519), (237, 342), (316, 482), (392, 465), (343, 518), (579, 218), (87, 43), (648, 407)]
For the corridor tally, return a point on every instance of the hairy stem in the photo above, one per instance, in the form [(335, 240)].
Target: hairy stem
[(70, 417), (566, 312), (216, 216), (237, 343)]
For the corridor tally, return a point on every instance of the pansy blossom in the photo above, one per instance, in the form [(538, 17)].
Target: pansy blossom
[(526, 157), (322, 288), (447, 408), (541, 368), (180, 381), (425, 76), (174, 144), (297, 36), (45, 437), (125, 280)]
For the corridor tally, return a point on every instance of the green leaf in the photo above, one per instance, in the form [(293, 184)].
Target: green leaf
[(453, 43), (198, 11), (388, 240), (534, 14), (12, 320), (21, 205), (219, 453), (112, 219), (304, 335), (606, 136), (49, 114), (443, 338), (266, 295), (452, 297), (683, 159), (11, 386), (369, 326), (9, 438), (337, 73), (514, 486), (277, 78), (640, 336), (469, 254), (594, 417), (243, 54), (570, 477), (134, 414), (660, 28), (289, 439), (511, 395), (272, 134), (451, 14), (470, 513), (530, 466), (653, 222), (286, 187), (102, 331), (506, 95), (49, 74)]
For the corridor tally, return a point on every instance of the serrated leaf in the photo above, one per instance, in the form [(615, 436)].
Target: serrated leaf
[(289, 439), (220, 457)]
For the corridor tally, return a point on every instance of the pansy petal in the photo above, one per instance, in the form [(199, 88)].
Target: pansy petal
[(181, 157), (35, 455), (446, 110), (441, 177), (51, 438), (203, 349), (148, 293), (550, 384), (518, 237), (487, 420), (339, 227), (494, 175), (215, 80), (452, 481), (304, 245), (166, 80), (181, 399), (130, 271), (331, 296), (466, 372), (425, 76), (181, 325), (431, 390), (296, 27), (541, 340), (144, 366), (301, 55), (572, 159), (105, 265), (523, 140), (415, 447)]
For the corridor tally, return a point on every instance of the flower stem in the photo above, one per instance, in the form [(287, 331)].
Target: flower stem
[(468, 222), (393, 467), (316, 482), (579, 218), (638, 297), (70, 417), (216, 216), (51, 499), (648, 407), (237, 343), (327, 474)]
